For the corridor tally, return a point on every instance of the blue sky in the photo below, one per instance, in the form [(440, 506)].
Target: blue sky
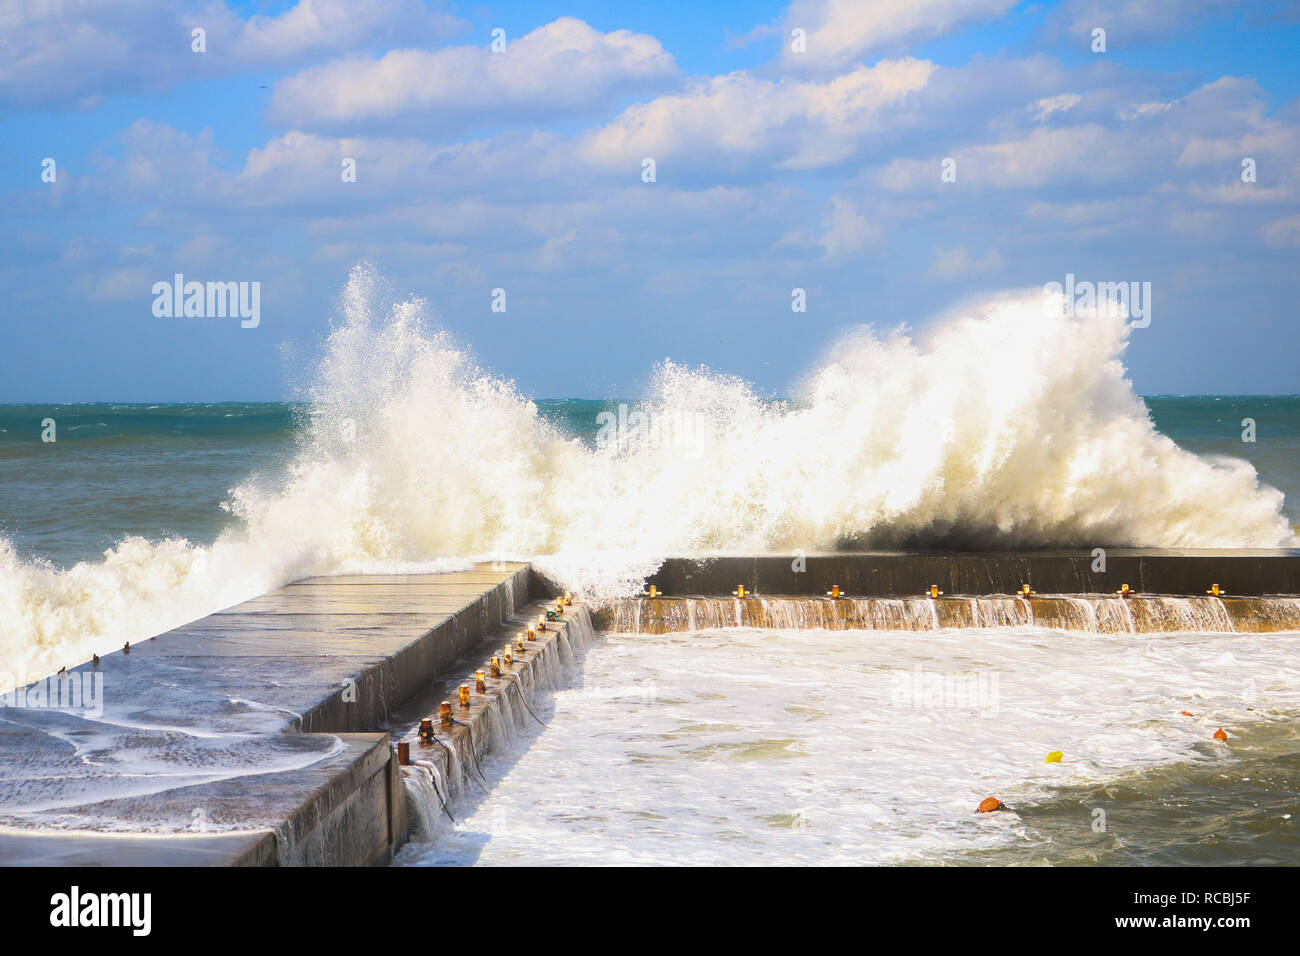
[(521, 170)]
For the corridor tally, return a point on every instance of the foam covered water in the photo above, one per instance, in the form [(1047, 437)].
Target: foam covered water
[(739, 747), (1002, 428)]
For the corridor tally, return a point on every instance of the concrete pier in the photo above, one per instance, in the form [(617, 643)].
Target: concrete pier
[(248, 737)]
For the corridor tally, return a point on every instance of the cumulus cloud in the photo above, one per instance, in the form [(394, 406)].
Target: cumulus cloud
[(1193, 145), (838, 32), (561, 69), (741, 120), (1061, 103), (845, 230), (77, 53)]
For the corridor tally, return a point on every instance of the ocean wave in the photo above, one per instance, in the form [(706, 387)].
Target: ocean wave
[(1004, 427)]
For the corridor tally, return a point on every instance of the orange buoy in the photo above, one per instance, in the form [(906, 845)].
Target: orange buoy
[(1188, 713), (1220, 734), (989, 804)]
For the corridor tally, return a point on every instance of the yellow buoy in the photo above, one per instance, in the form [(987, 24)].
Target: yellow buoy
[(1054, 757)]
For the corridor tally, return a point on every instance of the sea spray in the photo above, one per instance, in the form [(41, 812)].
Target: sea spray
[(1002, 428)]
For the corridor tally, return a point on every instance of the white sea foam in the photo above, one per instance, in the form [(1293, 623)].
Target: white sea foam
[(835, 747), (1002, 428)]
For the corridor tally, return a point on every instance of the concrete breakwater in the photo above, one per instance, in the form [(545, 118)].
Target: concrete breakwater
[(1095, 614), (1074, 590), (470, 718), (905, 574), (250, 737)]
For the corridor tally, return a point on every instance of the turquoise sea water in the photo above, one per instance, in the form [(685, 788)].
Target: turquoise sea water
[(164, 470)]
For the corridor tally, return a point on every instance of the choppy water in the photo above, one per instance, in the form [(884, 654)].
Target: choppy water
[(758, 747)]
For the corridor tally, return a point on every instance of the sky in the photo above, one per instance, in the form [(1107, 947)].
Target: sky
[(796, 146)]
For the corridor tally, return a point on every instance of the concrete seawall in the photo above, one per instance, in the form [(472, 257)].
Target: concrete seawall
[(249, 737), (902, 574)]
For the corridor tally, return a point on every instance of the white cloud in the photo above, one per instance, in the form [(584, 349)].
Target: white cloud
[(845, 230), (840, 31), (740, 120), (76, 54), (1061, 103), (559, 69)]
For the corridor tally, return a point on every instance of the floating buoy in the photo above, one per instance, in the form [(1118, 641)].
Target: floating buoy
[(1221, 734), (740, 591), (1054, 757), (654, 591), (934, 591), (404, 754), (834, 592), (1026, 591), (1215, 591), (1124, 591), (1188, 713), (464, 696), (989, 804), (426, 731), (480, 682), (444, 712)]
